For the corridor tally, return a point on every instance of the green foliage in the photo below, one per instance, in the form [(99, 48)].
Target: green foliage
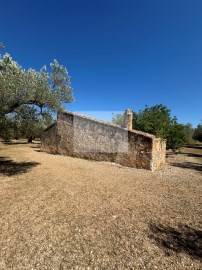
[(189, 131), (198, 133), (118, 119), (28, 98), (43, 89), (157, 120), (29, 122), (25, 122), (6, 129), (135, 117), (154, 120), (176, 136)]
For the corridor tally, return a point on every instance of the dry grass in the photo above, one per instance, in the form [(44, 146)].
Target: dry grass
[(60, 212)]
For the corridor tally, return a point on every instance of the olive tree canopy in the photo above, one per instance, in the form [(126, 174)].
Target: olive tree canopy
[(43, 89)]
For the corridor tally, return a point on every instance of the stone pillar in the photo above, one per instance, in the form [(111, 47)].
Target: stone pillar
[(128, 121)]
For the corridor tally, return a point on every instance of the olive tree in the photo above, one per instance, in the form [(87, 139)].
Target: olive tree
[(26, 122), (47, 90), (29, 97)]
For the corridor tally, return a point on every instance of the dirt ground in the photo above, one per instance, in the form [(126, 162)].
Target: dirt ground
[(60, 212)]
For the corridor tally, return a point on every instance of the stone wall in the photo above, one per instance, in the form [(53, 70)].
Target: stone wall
[(49, 139), (158, 153), (80, 136)]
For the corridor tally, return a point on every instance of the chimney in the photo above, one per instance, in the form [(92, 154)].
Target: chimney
[(128, 121)]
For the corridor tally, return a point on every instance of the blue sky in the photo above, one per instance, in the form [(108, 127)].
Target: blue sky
[(119, 54)]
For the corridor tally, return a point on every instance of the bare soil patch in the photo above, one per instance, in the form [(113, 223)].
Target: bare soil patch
[(60, 212)]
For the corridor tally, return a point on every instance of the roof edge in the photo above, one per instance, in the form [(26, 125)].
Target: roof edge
[(110, 124), (52, 125)]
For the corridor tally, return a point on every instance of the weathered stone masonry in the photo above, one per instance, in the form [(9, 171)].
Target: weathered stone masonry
[(83, 137)]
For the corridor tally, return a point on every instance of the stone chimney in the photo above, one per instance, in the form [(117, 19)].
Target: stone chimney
[(128, 119)]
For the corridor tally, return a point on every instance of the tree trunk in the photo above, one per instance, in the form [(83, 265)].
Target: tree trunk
[(30, 140)]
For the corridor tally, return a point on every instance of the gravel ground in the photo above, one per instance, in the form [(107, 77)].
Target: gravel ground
[(60, 212)]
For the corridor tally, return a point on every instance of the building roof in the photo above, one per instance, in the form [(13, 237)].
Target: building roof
[(109, 124)]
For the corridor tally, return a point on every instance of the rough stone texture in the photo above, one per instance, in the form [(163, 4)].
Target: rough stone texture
[(128, 121), (49, 139), (83, 137), (158, 153)]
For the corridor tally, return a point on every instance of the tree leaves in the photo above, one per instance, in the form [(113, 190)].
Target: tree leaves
[(198, 133), (157, 120), (43, 89)]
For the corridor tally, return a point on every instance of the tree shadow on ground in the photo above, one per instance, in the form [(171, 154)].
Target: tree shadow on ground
[(10, 143), (188, 165), (191, 155), (36, 146), (199, 146), (183, 239), (170, 155), (20, 142), (9, 167)]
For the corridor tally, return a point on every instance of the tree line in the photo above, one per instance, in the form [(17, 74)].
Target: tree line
[(157, 120)]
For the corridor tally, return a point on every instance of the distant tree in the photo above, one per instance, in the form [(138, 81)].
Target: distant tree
[(6, 128), (27, 122), (189, 131), (118, 119), (157, 120), (135, 118), (43, 89), (175, 135), (198, 133), (31, 122)]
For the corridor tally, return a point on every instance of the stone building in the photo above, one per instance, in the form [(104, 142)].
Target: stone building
[(83, 137)]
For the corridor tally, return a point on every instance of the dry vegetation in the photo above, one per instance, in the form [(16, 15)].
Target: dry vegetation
[(60, 212)]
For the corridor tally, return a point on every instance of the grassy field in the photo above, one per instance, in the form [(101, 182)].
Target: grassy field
[(60, 212)]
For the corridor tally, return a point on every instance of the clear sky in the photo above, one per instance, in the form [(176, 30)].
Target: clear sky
[(119, 54)]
